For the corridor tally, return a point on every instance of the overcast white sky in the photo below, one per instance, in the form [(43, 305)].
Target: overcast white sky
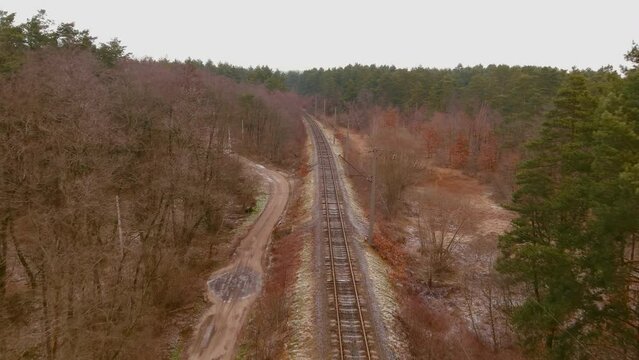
[(301, 34)]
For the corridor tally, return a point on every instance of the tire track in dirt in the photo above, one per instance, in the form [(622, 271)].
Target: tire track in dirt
[(233, 289)]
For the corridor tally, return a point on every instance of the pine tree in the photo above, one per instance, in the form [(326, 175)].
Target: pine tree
[(11, 43), (567, 248)]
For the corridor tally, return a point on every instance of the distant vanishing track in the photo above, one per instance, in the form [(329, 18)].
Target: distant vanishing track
[(350, 330)]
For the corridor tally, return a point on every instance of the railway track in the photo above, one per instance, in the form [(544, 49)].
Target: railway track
[(349, 327)]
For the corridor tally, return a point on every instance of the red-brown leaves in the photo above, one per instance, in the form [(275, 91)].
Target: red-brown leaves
[(458, 153)]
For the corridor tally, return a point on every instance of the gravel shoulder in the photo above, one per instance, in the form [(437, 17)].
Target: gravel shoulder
[(382, 302)]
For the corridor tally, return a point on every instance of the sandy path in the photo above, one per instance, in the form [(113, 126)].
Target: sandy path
[(216, 334)]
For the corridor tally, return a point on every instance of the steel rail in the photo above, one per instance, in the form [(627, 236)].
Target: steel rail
[(327, 153)]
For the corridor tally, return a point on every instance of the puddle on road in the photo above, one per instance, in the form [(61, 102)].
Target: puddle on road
[(236, 284)]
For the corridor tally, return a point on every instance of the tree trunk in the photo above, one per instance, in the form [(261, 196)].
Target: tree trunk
[(21, 258), (469, 305), (45, 318), (489, 296), (3, 254)]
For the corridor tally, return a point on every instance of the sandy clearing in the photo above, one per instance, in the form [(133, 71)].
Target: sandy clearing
[(490, 217), (217, 331)]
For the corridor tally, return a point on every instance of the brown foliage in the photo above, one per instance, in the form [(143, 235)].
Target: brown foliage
[(458, 153), (473, 143), (390, 118), (432, 140), (488, 153), (115, 184), (434, 335), (392, 252)]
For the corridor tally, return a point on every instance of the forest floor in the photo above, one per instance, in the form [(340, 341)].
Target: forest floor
[(465, 290), (233, 289)]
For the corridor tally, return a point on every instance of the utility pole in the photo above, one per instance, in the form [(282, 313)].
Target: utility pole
[(371, 228), (373, 181), (117, 207), (315, 113), (324, 107), (348, 136)]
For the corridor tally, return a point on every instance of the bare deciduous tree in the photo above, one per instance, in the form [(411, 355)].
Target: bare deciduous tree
[(441, 221), (116, 184)]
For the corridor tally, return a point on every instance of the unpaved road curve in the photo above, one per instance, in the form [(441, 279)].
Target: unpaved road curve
[(216, 334)]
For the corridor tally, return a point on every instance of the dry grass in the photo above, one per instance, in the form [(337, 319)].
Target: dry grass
[(264, 337)]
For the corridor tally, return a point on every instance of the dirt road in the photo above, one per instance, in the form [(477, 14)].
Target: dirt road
[(233, 289)]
